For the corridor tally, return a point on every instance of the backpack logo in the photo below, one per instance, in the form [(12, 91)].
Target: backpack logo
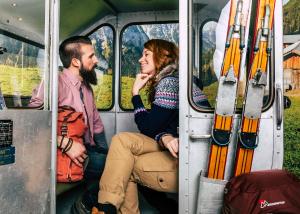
[(265, 203)]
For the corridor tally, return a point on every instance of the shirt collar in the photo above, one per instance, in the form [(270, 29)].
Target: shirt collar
[(72, 78)]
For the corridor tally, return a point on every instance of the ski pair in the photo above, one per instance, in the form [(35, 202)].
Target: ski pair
[(228, 86), (257, 81)]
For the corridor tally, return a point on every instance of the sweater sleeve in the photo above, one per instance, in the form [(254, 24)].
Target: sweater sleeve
[(199, 97), (162, 110)]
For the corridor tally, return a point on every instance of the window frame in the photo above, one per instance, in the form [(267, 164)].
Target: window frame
[(120, 52), (20, 38), (29, 42), (271, 76), (113, 59)]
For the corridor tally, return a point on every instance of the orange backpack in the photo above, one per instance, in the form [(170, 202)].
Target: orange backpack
[(69, 124)]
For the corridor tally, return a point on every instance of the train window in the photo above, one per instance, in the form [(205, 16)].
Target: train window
[(207, 80), (21, 70), (208, 77), (133, 38), (211, 53), (103, 41)]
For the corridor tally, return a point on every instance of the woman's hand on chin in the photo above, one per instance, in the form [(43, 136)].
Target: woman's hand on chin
[(140, 82)]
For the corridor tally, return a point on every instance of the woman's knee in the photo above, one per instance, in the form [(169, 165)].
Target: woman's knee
[(127, 140), (120, 138), (158, 171), (163, 181)]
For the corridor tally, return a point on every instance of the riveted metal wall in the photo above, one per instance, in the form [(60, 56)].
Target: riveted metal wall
[(25, 183)]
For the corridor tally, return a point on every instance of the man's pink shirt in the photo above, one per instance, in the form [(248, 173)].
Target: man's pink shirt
[(68, 94)]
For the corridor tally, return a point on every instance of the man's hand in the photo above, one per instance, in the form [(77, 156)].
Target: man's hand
[(171, 143), (77, 152), (139, 83)]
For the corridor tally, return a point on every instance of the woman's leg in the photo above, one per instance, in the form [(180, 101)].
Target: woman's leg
[(157, 170), (123, 151), (131, 202)]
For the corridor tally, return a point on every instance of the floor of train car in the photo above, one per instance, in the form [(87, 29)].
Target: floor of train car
[(64, 201)]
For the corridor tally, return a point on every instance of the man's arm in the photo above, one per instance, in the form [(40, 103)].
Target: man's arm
[(37, 98), (98, 125), (99, 137)]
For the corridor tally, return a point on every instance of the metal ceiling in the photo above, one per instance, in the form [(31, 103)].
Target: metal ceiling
[(26, 17), (23, 17)]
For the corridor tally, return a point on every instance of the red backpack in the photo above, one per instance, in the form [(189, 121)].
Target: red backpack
[(271, 191), (70, 124)]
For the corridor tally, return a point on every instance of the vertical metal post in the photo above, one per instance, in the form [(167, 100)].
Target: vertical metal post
[(185, 31), (46, 55), (52, 50), (277, 62), (22, 76), (117, 75)]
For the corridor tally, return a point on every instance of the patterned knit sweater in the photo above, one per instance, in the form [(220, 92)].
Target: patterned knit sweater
[(164, 115)]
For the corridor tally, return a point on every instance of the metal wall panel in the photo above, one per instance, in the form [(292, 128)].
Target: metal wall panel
[(25, 184)]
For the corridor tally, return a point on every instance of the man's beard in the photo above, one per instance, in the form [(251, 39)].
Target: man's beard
[(88, 76)]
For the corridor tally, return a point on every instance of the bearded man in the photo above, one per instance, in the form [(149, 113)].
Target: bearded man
[(74, 89)]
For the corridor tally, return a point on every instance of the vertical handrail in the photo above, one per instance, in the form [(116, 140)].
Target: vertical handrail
[(184, 59), (46, 54), (53, 63)]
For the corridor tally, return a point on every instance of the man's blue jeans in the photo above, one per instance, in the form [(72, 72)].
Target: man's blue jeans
[(96, 163), (97, 156), (94, 169)]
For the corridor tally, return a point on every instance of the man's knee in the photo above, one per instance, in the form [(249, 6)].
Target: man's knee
[(95, 165)]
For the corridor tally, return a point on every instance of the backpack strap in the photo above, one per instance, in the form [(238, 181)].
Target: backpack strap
[(63, 108), (64, 126)]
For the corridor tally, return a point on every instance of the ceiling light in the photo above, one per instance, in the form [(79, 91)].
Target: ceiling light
[(20, 18), (14, 4)]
